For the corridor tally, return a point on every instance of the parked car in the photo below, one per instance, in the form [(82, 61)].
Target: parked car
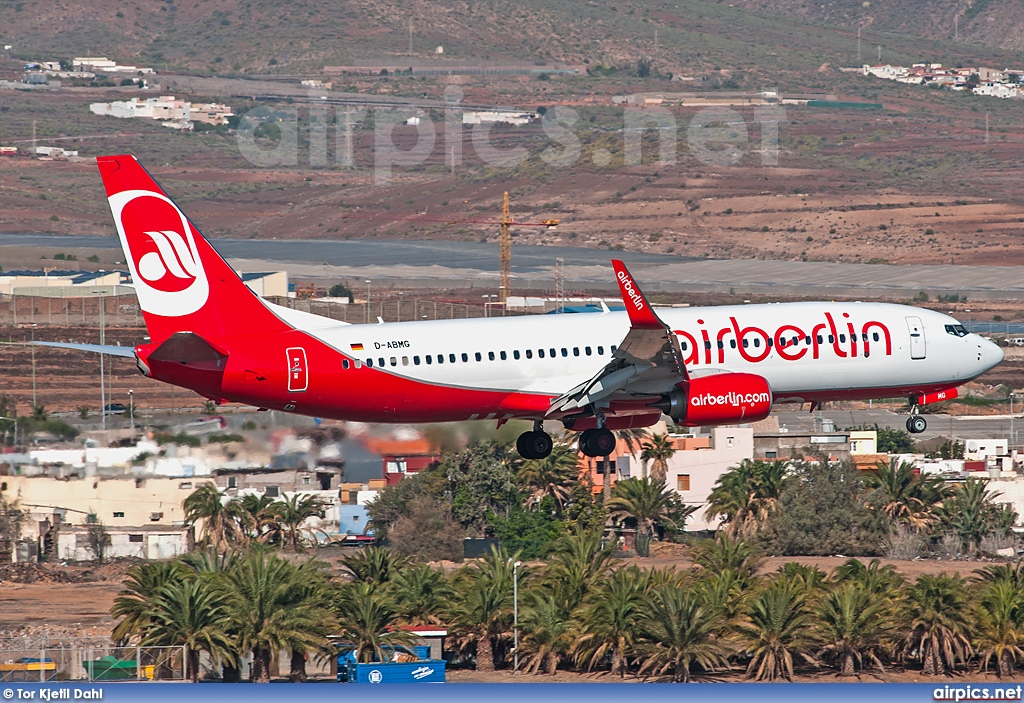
[(114, 408)]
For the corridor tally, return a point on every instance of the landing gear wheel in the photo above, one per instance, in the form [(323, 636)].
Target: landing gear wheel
[(916, 424), (595, 443), (534, 445)]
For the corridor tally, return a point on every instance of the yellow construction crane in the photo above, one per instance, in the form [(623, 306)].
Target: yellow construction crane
[(505, 239), (505, 244)]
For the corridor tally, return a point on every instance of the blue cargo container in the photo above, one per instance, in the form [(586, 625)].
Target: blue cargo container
[(426, 671)]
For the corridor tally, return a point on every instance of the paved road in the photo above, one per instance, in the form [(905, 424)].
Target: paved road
[(459, 263), (970, 427)]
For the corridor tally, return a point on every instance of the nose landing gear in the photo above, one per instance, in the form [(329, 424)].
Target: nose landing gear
[(916, 424)]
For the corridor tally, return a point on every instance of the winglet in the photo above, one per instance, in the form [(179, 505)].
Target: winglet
[(641, 315)]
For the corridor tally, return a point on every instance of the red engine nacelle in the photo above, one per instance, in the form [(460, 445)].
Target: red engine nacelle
[(720, 399)]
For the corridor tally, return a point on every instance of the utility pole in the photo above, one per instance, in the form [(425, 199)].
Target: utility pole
[(410, 36), (655, 40), (33, 348), (33, 136), (879, 53), (956, 27), (986, 128), (858, 45), (103, 357), (559, 285)]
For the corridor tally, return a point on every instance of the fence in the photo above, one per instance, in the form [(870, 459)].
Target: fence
[(124, 311), (87, 659), (118, 310)]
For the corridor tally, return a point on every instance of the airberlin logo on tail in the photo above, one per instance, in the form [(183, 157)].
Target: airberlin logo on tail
[(171, 266), (633, 293), (161, 252)]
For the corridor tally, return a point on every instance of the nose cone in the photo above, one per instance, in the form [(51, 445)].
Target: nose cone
[(991, 354)]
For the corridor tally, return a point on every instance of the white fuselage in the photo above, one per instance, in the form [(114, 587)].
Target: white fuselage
[(806, 351)]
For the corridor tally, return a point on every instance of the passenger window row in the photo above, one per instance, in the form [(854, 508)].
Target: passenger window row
[(439, 359)]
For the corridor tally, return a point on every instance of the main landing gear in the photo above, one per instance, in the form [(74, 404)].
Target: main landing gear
[(594, 443), (536, 444), (916, 424)]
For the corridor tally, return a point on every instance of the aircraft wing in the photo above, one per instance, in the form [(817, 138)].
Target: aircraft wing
[(111, 349), (648, 361)]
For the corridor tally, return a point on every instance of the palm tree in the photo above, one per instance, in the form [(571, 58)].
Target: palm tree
[(133, 604), (905, 498), (295, 510), (970, 512), (725, 553), (420, 594), (312, 589), (190, 613), (726, 591), (1012, 574), (611, 621), (936, 608), (658, 450), (257, 518), (809, 577), (552, 476), (875, 578), (745, 496), (778, 627), (854, 627), (269, 609), (483, 614), (1000, 623), (373, 564), (368, 625), (647, 502), (680, 629), (206, 505), (547, 634), (578, 561)]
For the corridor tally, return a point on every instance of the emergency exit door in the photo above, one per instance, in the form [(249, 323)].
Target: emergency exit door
[(917, 340), (298, 373)]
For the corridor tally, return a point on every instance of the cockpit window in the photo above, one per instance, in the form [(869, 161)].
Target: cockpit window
[(956, 330)]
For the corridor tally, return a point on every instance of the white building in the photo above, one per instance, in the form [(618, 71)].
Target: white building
[(997, 90), (103, 64), (983, 449), (166, 108), (886, 71), (692, 473), (492, 117)]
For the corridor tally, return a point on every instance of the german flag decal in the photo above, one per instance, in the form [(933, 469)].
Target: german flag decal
[(357, 347)]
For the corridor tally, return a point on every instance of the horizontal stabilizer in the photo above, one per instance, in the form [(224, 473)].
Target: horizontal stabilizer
[(111, 349)]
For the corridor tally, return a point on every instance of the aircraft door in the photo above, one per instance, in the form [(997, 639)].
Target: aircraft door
[(917, 340), (298, 373)]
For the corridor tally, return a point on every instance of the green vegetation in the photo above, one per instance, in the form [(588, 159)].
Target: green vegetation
[(580, 608)]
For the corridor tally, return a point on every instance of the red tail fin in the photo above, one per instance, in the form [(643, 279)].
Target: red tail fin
[(182, 283)]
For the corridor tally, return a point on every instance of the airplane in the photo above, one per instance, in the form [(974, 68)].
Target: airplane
[(594, 373)]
